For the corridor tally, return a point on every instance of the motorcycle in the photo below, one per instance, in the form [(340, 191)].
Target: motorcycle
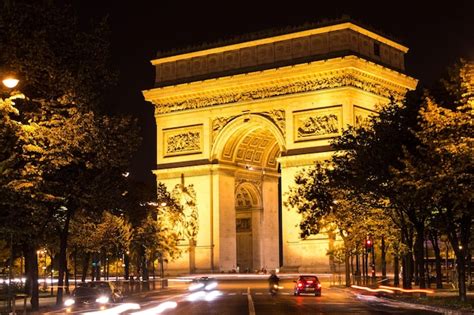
[(273, 289)]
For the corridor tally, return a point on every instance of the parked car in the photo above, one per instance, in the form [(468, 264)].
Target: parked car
[(95, 292), (203, 283), (307, 284)]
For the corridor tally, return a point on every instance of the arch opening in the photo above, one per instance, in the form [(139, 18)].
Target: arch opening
[(251, 144)]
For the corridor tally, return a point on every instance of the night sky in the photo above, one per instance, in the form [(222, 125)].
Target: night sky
[(436, 34)]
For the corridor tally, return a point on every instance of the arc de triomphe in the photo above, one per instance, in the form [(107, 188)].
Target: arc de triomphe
[(236, 122)]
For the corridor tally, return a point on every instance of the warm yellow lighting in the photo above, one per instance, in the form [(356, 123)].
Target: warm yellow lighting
[(406, 290), (163, 204), (10, 82), (372, 290)]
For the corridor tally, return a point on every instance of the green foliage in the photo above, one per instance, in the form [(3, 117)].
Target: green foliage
[(312, 199)]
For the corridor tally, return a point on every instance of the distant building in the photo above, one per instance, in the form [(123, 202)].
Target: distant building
[(236, 122)]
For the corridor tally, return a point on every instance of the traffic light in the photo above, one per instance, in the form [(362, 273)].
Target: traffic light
[(369, 245)]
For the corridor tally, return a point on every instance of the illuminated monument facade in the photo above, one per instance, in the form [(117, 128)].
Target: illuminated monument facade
[(235, 123)]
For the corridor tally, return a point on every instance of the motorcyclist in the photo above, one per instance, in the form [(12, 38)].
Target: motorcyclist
[(272, 282)]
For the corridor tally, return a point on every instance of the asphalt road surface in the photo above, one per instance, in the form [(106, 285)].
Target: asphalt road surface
[(240, 297)]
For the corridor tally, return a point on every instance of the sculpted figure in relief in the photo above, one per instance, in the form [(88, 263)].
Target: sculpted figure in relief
[(188, 141), (318, 126)]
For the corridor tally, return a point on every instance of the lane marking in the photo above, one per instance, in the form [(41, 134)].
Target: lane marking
[(233, 293), (258, 293), (251, 306)]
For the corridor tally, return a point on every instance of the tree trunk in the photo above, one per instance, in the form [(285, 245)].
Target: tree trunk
[(348, 268), (461, 266), (96, 268), (438, 259), (63, 238), (383, 258), (85, 266), (144, 265), (66, 283), (407, 259), (31, 268), (420, 254), (126, 261), (396, 271)]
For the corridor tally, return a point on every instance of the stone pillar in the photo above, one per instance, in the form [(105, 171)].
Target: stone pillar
[(270, 234), (225, 238)]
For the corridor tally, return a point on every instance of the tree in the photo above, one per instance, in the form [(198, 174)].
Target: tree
[(75, 154), (443, 172), (324, 207), (368, 160)]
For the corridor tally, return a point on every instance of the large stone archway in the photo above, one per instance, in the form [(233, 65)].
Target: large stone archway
[(251, 144), (237, 123)]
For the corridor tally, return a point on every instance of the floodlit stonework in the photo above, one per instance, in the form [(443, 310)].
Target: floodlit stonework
[(237, 122)]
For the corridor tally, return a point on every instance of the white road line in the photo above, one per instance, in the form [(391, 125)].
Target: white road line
[(232, 293), (251, 306), (258, 293)]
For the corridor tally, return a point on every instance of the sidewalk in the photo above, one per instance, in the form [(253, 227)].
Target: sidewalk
[(445, 301)]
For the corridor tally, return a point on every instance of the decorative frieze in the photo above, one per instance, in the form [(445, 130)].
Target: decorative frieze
[(182, 140), (330, 80)]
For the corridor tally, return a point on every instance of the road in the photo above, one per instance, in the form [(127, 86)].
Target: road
[(252, 297)]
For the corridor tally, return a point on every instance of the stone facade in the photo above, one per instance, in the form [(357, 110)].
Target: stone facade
[(238, 122)]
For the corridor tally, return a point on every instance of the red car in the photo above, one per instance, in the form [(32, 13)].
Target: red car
[(308, 284)]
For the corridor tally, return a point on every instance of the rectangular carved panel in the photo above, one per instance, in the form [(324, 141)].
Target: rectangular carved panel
[(182, 140), (318, 123)]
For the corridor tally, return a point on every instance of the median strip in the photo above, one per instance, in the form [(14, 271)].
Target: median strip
[(251, 306)]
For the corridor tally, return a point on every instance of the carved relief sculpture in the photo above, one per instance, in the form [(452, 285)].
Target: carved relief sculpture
[(185, 140), (188, 224), (317, 124)]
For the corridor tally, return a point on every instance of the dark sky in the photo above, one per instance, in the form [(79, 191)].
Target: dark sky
[(437, 35)]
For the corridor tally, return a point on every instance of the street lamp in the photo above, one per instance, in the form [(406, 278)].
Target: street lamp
[(10, 82)]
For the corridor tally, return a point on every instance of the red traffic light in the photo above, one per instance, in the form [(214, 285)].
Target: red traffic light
[(368, 243)]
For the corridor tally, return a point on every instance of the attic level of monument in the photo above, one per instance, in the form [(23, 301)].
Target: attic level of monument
[(278, 51)]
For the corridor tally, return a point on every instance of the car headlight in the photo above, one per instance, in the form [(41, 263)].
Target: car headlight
[(69, 302), (211, 286), (102, 300), (195, 286)]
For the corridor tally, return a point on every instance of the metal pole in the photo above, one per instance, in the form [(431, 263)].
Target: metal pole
[(373, 261), (447, 258), (44, 270)]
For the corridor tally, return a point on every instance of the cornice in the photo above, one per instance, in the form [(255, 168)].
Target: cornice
[(342, 72)]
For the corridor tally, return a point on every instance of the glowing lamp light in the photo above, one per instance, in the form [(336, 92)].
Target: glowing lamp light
[(69, 302), (102, 300), (10, 82), (196, 286), (211, 286)]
